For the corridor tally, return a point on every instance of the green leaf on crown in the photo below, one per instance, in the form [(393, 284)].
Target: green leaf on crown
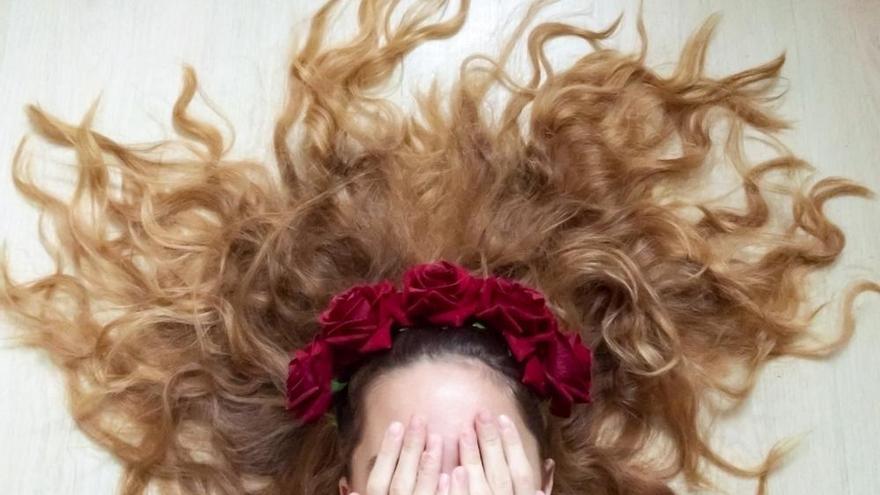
[(336, 385)]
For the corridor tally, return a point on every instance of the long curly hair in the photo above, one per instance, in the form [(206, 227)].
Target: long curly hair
[(184, 277)]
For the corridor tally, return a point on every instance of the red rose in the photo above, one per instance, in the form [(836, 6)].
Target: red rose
[(359, 320), (309, 382), (534, 374), (568, 366), (519, 313), (440, 293)]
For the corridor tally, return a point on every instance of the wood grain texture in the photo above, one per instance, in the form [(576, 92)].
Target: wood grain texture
[(63, 54)]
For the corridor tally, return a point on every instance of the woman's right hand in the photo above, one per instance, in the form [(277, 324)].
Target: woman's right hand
[(408, 463)]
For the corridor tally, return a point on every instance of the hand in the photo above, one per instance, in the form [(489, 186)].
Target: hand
[(493, 462), (407, 463)]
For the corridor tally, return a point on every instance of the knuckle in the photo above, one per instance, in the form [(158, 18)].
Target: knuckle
[(409, 440), (492, 441), (412, 444), (428, 460), (409, 452), (487, 430)]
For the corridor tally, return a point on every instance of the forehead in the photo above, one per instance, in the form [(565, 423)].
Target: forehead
[(448, 393)]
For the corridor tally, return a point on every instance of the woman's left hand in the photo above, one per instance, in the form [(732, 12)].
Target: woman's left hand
[(493, 461)]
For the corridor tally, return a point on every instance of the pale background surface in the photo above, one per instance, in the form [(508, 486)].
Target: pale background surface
[(62, 54)]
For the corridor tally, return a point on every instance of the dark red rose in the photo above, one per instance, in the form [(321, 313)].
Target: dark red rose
[(519, 313), (440, 293), (568, 365), (359, 321), (309, 382), (534, 374)]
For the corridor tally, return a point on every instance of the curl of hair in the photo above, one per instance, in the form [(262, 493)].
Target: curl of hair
[(183, 283)]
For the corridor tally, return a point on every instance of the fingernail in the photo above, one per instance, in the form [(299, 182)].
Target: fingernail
[(417, 421), (505, 421), (443, 484), (459, 474), (484, 417), (396, 428)]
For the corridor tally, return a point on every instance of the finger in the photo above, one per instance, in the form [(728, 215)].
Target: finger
[(379, 479), (520, 469), (404, 479), (492, 452), (443, 484), (459, 483), (469, 456), (429, 466)]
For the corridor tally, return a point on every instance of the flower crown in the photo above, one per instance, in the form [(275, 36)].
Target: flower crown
[(359, 322)]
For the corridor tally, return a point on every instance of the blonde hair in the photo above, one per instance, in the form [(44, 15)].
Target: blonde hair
[(183, 283)]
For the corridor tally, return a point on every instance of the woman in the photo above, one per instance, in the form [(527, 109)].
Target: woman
[(433, 353), (189, 322)]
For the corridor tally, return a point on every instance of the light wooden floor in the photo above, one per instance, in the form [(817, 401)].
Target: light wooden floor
[(62, 54)]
